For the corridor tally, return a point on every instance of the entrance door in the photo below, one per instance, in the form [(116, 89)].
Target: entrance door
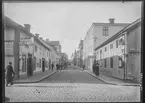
[(29, 65), (34, 63), (43, 64)]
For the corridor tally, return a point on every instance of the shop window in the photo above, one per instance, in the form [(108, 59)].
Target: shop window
[(24, 64), (121, 63), (111, 62)]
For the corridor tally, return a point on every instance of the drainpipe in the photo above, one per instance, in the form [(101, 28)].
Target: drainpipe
[(33, 47), (125, 55)]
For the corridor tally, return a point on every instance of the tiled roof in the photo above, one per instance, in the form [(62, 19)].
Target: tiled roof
[(11, 23), (54, 42)]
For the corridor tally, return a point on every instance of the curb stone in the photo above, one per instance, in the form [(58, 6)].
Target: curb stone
[(113, 83), (99, 78), (36, 81)]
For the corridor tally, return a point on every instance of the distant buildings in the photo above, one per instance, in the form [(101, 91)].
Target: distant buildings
[(28, 53), (80, 54), (97, 34), (64, 58), (56, 45)]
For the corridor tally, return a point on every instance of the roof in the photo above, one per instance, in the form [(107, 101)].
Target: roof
[(43, 43), (51, 47), (110, 24), (9, 22), (54, 42), (120, 32)]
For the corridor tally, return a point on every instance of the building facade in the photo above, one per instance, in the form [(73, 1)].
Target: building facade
[(28, 53), (80, 55), (120, 55), (15, 36), (97, 34)]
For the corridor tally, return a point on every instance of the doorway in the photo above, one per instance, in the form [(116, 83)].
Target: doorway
[(43, 64), (29, 65)]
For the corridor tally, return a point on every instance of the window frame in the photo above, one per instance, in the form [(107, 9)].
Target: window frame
[(105, 30)]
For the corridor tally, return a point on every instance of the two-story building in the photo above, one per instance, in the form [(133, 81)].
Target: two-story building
[(55, 52), (120, 55), (15, 37), (97, 34), (26, 51)]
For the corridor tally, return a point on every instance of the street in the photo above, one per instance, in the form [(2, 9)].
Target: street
[(71, 75), (71, 85)]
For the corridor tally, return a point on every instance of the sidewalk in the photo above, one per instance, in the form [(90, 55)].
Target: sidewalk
[(37, 77), (111, 80)]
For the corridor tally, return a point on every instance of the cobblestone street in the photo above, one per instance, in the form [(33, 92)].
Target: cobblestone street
[(71, 75), (71, 86), (72, 92)]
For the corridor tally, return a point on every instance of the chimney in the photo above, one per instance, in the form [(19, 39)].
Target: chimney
[(41, 38), (111, 20), (27, 27), (37, 35), (47, 40)]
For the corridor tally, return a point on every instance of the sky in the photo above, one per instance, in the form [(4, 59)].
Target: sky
[(68, 22)]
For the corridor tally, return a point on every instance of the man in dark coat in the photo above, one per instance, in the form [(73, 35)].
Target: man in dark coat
[(83, 67), (94, 67), (57, 66), (9, 73), (97, 66)]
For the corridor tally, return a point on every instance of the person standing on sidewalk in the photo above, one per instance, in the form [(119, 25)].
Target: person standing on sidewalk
[(94, 66), (83, 67), (97, 66), (57, 66), (9, 75), (52, 65)]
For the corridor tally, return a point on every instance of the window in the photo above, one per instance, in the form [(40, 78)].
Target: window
[(121, 63), (111, 62), (105, 48), (111, 46), (105, 63), (100, 54), (116, 43), (40, 63), (35, 48), (105, 31), (121, 42), (9, 47)]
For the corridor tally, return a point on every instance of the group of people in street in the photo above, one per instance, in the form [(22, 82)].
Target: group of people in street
[(59, 66), (95, 67)]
